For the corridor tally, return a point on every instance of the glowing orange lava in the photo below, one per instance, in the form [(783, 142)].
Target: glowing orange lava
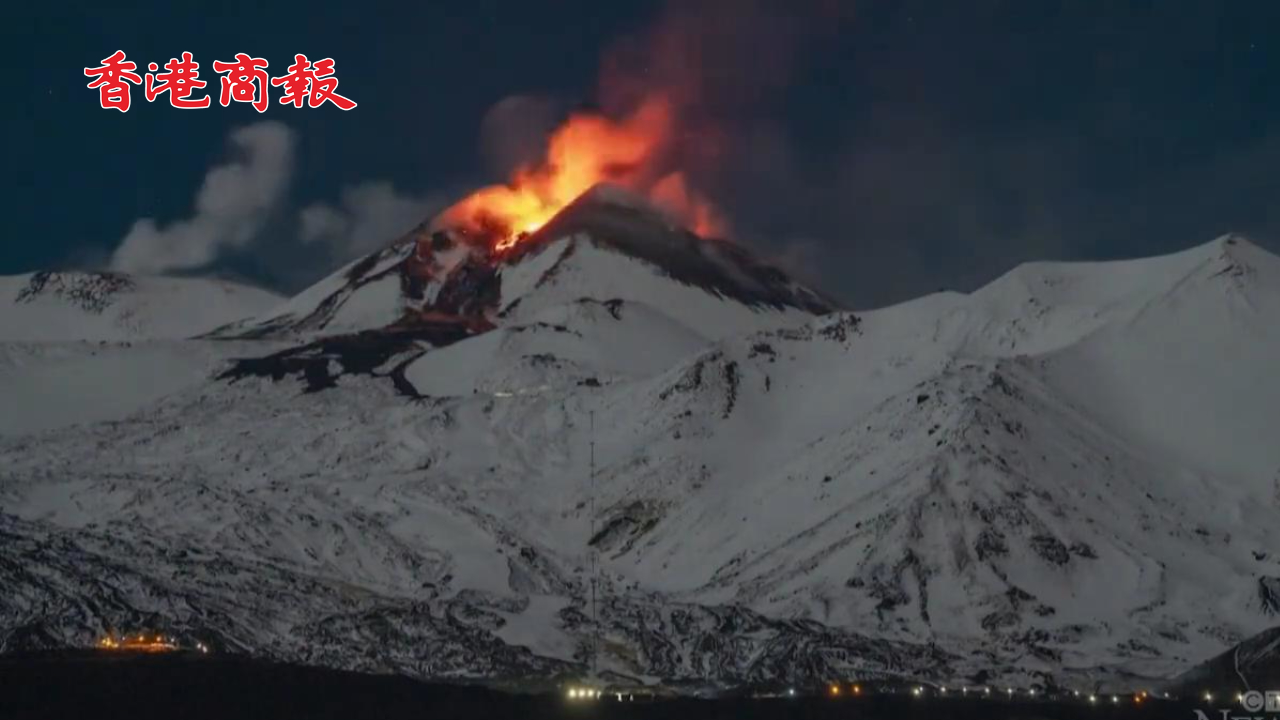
[(586, 150)]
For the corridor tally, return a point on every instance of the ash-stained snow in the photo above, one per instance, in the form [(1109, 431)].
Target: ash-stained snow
[(1057, 475)]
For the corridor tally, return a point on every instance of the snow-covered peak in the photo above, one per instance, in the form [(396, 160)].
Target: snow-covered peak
[(1236, 256), (1043, 306), (1102, 283), (99, 306), (615, 221)]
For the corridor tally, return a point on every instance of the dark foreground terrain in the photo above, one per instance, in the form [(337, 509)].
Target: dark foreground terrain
[(188, 686)]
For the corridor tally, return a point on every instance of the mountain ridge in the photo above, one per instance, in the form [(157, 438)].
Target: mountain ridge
[(108, 306), (996, 485)]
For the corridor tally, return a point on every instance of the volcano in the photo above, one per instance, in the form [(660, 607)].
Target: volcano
[(608, 244), (1055, 480)]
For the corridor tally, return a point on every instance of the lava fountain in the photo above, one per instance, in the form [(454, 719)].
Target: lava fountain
[(587, 149)]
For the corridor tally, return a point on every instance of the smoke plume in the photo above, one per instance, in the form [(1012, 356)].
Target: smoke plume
[(233, 203)]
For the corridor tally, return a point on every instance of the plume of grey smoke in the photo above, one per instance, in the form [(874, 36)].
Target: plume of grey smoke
[(723, 66), (715, 58), (234, 202), (514, 132), (369, 216), (238, 199)]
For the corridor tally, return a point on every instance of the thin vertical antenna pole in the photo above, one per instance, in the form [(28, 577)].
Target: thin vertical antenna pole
[(591, 553)]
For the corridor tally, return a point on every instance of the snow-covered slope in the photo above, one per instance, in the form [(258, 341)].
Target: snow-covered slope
[(585, 341), (1066, 473), (84, 347), (52, 385), (111, 307)]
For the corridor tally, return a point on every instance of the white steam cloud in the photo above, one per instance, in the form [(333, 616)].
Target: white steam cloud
[(233, 203), (371, 215), (244, 197)]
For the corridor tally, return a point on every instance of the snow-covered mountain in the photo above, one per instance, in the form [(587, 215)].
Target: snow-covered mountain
[(114, 307), (1065, 474)]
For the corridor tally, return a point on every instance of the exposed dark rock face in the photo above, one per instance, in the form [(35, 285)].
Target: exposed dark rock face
[(91, 292), (320, 363), (1051, 549), (1269, 595)]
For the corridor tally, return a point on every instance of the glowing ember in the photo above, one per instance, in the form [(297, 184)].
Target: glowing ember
[(586, 150)]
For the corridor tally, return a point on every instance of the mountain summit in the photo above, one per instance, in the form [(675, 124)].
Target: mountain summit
[(606, 245)]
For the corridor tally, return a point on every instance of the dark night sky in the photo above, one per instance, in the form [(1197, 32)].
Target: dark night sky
[(882, 148)]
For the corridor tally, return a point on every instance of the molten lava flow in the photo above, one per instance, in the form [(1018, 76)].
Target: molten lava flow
[(586, 150)]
